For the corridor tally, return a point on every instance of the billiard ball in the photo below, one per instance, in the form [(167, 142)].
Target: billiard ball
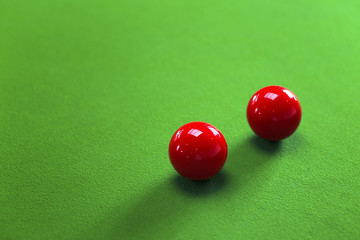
[(274, 113), (198, 151)]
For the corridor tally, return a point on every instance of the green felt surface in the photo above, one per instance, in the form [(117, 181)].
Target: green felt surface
[(92, 91)]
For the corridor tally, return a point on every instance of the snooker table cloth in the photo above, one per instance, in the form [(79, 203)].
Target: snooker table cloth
[(92, 91)]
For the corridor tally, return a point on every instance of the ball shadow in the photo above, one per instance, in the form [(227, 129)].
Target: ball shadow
[(270, 147), (162, 204), (201, 188), (146, 216), (294, 142), (249, 156)]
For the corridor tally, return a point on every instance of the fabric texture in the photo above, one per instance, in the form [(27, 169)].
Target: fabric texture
[(92, 91)]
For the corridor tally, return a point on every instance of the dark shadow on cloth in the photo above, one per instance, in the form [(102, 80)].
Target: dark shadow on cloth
[(150, 215), (271, 147), (202, 188), (294, 142), (158, 211), (248, 156)]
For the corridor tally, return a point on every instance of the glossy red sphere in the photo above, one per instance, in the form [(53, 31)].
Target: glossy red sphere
[(274, 113), (198, 151)]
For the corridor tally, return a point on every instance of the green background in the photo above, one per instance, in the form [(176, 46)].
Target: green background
[(92, 91)]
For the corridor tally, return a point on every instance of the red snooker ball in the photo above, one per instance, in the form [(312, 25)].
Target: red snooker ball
[(274, 113), (198, 151)]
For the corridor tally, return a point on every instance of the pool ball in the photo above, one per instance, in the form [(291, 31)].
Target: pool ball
[(198, 151), (274, 113)]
